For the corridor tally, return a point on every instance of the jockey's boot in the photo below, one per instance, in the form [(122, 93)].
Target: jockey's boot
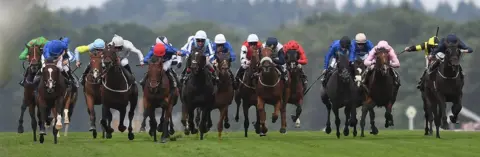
[(325, 78), (214, 75), (171, 77), (68, 80), (72, 79), (179, 85), (232, 78), (239, 76), (142, 81), (128, 73), (420, 83), (184, 75), (84, 74), (283, 71), (304, 79), (396, 78), (23, 79)]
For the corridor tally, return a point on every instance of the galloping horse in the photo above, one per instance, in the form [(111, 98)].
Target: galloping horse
[(224, 95), (446, 86), (296, 86), (91, 89), (197, 92), (159, 92), (427, 104), (51, 96), (116, 93), (380, 87), (29, 88), (245, 94), (340, 92), (271, 89), (362, 98)]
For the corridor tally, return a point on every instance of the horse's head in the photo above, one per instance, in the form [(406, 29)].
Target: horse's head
[(155, 73), (50, 75), (197, 61), (34, 55), (223, 63), (110, 58), (359, 69), (382, 60), (267, 63), (96, 64), (452, 54), (291, 57), (343, 67)]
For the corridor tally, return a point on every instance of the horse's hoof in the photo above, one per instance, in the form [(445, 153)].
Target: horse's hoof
[(386, 125), (453, 119), (122, 128), (227, 125), (92, 128), (163, 140), (186, 132), (354, 133), (374, 131), (109, 135), (283, 130), (274, 119), (338, 135), (42, 132), (151, 132), (20, 129), (142, 129), (328, 130), (94, 134), (131, 136), (42, 139), (194, 131), (294, 118), (171, 131), (262, 134), (362, 135), (236, 119), (346, 132)]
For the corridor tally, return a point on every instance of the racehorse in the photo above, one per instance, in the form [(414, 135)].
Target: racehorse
[(296, 86), (245, 94), (91, 89), (116, 93), (380, 87), (29, 88), (71, 95), (51, 96), (158, 92), (427, 104), (197, 92), (271, 89), (447, 87), (225, 92), (340, 92), (362, 98)]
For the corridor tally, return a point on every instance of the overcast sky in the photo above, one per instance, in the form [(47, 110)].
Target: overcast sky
[(56, 4)]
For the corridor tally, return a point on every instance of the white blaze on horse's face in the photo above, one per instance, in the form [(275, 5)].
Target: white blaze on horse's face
[(358, 77), (95, 73), (50, 80), (194, 61)]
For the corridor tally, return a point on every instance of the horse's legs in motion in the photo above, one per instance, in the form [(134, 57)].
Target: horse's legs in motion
[(106, 120), (150, 111), (20, 120), (145, 116), (261, 112), (203, 121), (456, 108), (33, 122), (197, 117), (226, 122), (191, 124), (283, 121), (388, 115), (131, 113), (121, 126), (327, 103), (374, 128), (223, 115), (162, 120), (337, 119), (365, 109), (347, 112), (437, 114), (238, 101), (296, 117), (185, 113), (168, 119), (246, 122)]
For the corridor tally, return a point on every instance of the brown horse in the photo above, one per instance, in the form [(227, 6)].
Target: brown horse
[(380, 87), (158, 92), (245, 94), (51, 96), (29, 87), (225, 92), (116, 93), (296, 87), (91, 89), (71, 95), (271, 89)]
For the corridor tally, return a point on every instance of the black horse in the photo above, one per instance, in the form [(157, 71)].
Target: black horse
[(359, 70), (340, 91), (446, 86), (197, 92)]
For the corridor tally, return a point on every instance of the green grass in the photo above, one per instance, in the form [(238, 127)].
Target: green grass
[(293, 144)]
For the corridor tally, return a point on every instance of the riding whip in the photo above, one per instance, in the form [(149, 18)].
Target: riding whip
[(313, 84)]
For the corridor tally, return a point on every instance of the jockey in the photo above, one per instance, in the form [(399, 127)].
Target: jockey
[(294, 46), (39, 41), (442, 47), (222, 45), (56, 49), (96, 46), (199, 40), (343, 46), (177, 60), (165, 50), (124, 47), (394, 62), (362, 46), (252, 42), (428, 47), (278, 58), (71, 57)]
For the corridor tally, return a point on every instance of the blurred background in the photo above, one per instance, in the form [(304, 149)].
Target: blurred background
[(314, 23)]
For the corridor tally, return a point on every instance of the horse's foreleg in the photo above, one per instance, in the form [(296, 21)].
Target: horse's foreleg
[(283, 120), (66, 109), (91, 112), (276, 110), (33, 121), (191, 124), (145, 114), (162, 120), (22, 111), (223, 115), (150, 111), (365, 109), (56, 111), (246, 122), (456, 108), (261, 112), (184, 119), (168, 119), (388, 115), (328, 105), (347, 113), (226, 121), (374, 128), (337, 119), (131, 113), (106, 120), (238, 101)]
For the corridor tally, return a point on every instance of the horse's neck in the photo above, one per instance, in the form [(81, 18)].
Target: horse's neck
[(448, 71), (269, 77), (114, 77)]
